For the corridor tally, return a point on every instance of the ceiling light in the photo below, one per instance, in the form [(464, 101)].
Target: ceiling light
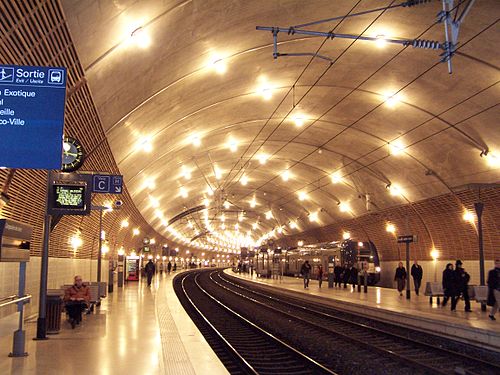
[(336, 178), (236, 226), (159, 214), (302, 195), (206, 202), (244, 180), (223, 226), (217, 173), (391, 228), (299, 119), (269, 215), (253, 202), (209, 191), (434, 254), (285, 176), (396, 147), (218, 64), (381, 41), (255, 225), (145, 144), (394, 189), (293, 225), (232, 144), (346, 235), (344, 207), (183, 192), (186, 173), (190, 224), (140, 38), (227, 205), (262, 158), (136, 231), (223, 218), (154, 202), (125, 223), (149, 183), (391, 99), (300, 243), (313, 216), (491, 158), (469, 217)]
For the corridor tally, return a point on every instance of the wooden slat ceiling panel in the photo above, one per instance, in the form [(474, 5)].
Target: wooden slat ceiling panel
[(35, 33)]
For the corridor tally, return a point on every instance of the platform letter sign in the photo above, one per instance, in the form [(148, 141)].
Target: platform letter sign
[(31, 116)]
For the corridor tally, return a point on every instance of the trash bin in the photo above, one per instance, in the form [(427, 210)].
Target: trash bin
[(54, 305)]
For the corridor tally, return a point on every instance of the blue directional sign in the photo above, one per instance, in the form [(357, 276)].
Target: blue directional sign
[(32, 102), (107, 184)]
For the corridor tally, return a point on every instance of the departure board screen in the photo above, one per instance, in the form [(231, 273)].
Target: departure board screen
[(70, 197)]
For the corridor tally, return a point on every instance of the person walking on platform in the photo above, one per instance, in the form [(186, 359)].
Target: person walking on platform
[(353, 276), (175, 267), (494, 289), (305, 271), (417, 273), (461, 286), (400, 278), (337, 271), (150, 271), (320, 275), (346, 274), (448, 283), (169, 267)]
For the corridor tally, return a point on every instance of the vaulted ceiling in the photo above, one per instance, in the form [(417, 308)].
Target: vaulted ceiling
[(193, 102)]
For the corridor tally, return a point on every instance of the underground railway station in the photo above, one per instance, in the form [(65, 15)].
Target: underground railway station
[(249, 187)]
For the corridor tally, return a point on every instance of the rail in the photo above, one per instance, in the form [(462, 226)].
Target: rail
[(15, 299)]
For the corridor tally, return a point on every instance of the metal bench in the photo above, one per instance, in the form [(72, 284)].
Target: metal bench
[(434, 290)]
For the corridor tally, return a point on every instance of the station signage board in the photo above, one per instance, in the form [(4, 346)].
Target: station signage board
[(69, 193), (15, 240), (107, 184), (409, 238), (32, 101)]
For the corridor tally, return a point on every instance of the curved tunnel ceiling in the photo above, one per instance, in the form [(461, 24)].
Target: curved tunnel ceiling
[(188, 90)]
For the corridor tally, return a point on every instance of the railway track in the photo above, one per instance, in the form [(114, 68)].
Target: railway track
[(243, 346), (393, 346)]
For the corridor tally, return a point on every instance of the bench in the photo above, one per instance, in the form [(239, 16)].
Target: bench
[(434, 290), (95, 293)]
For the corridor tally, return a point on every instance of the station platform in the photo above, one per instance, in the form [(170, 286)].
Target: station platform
[(136, 330), (386, 304)]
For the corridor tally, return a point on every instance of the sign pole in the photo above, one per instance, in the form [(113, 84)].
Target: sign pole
[(407, 269), (41, 324), (100, 247)]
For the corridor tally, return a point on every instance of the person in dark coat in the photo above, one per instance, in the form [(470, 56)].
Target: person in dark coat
[(305, 271), (169, 267), (320, 275), (353, 276), (150, 271), (461, 286), (494, 289), (400, 278), (417, 274), (448, 286), (346, 275), (337, 271), (175, 267)]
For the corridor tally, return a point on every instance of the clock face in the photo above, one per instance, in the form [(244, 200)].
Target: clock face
[(73, 155)]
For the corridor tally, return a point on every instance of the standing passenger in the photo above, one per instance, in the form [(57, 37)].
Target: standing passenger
[(461, 286), (169, 267), (175, 267), (320, 275), (448, 283), (400, 278), (494, 289), (337, 270), (346, 275), (417, 273), (353, 276), (305, 271), (150, 271)]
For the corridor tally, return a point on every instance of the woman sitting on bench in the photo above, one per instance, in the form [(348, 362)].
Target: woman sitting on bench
[(77, 298)]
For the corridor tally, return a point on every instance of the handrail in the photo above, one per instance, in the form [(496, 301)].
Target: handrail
[(17, 300), (9, 297)]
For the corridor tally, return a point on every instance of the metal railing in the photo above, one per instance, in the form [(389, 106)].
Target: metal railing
[(14, 299)]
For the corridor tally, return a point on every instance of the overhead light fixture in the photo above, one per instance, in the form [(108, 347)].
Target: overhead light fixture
[(149, 183), (344, 207), (186, 173), (381, 41), (155, 203), (262, 158), (159, 214), (302, 195), (346, 235), (217, 173), (136, 231), (285, 176), (232, 144), (336, 178), (469, 217), (299, 119), (244, 180), (209, 191), (293, 225), (269, 215), (140, 38), (394, 190), (391, 99), (391, 228), (145, 144), (300, 243), (313, 217), (255, 225), (253, 202), (223, 218), (206, 202), (491, 158), (183, 192), (396, 147), (125, 223), (227, 205), (218, 64), (434, 254)]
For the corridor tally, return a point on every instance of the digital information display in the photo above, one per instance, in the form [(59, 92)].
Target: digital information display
[(69, 197), (32, 101)]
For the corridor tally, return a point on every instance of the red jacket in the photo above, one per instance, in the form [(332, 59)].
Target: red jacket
[(74, 293)]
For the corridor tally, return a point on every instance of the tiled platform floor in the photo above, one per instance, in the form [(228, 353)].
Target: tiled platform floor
[(137, 330), (387, 304)]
